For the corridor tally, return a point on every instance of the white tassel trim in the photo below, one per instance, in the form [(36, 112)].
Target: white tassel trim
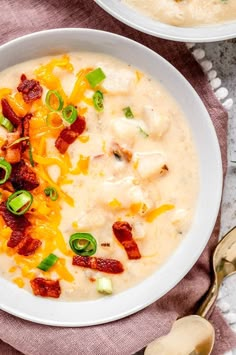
[(221, 92)]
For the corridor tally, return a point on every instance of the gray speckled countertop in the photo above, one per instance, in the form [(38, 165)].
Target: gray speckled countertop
[(223, 57)]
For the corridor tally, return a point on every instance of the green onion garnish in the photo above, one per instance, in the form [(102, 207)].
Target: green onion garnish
[(19, 202), (128, 112), (98, 101), (48, 262), (83, 244), (104, 285), (55, 96), (17, 141), (95, 77), (69, 114), (6, 123), (31, 159), (7, 168), (51, 192), (145, 134)]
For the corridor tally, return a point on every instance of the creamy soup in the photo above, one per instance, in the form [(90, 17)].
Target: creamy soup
[(186, 13), (107, 159)]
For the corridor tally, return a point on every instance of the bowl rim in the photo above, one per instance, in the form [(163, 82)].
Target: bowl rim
[(161, 30), (47, 311)]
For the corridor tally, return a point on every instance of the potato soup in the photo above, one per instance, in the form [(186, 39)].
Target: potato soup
[(187, 13), (99, 175)]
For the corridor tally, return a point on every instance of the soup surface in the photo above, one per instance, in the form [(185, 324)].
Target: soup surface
[(187, 13), (106, 158)]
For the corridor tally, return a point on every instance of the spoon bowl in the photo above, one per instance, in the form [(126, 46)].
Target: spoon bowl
[(194, 335), (224, 265), (191, 335)]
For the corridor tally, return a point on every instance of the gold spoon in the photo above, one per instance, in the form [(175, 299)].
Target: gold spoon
[(194, 335)]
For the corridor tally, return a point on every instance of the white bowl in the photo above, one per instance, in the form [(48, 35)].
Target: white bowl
[(145, 24), (47, 311)]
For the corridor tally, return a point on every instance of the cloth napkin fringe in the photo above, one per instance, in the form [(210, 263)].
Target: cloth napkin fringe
[(220, 91)]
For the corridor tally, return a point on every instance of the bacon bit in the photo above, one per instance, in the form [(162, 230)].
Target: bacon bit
[(15, 239), (46, 288), (23, 177), (105, 244), (68, 135), (13, 153), (123, 233), (28, 246), (92, 279), (30, 89), (164, 170), (121, 153), (8, 112), (110, 266), (16, 223)]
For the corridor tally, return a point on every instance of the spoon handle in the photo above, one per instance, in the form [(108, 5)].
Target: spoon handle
[(209, 299)]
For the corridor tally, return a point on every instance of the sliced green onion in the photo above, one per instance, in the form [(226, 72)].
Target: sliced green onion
[(69, 114), (95, 77), (53, 94), (48, 262), (7, 168), (83, 244), (19, 202), (31, 159), (104, 285), (17, 141), (98, 101), (51, 118), (145, 134), (51, 192), (6, 123), (128, 112)]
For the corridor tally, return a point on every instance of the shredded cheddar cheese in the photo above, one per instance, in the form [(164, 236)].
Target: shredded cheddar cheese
[(19, 282), (5, 92), (18, 104), (82, 166), (81, 85), (157, 212)]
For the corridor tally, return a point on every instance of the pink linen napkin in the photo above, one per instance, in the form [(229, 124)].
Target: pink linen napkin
[(132, 333)]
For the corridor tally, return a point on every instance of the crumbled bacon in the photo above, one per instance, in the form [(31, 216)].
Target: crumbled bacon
[(46, 288), (28, 246), (164, 170), (16, 223), (110, 266), (8, 112), (12, 153), (105, 244), (23, 177), (123, 232), (31, 89), (121, 153), (68, 135), (16, 237)]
